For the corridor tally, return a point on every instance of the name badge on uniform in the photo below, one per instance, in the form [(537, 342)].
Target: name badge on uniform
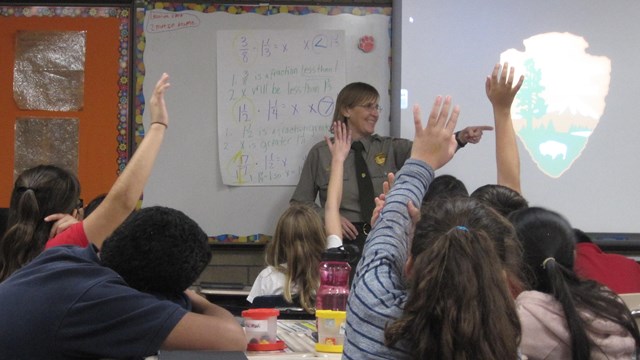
[(381, 158)]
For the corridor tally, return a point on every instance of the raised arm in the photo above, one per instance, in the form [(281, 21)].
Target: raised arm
[(434, 145), (378, 291), (125, 192), (501, 92), (339, 149), (306, 191)]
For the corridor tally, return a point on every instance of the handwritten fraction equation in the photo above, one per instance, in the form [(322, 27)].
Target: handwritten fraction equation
[(261, 169), (263, 156), (244, 110), (248, 48)]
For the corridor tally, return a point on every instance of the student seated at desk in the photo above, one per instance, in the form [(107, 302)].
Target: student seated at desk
[(122, 302), (294, 253), (566, 317), (292, 257), (617, 272)]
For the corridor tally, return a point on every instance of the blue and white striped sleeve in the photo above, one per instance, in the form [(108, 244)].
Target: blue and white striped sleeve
[(378, 293)]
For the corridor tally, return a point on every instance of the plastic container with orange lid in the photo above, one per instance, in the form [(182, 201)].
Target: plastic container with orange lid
[(261, 328)]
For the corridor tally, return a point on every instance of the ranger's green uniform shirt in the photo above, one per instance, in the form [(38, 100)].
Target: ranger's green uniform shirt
[(382, 154)]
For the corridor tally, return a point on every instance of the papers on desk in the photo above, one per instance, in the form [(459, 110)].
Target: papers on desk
[(200, 355), (299, 335)]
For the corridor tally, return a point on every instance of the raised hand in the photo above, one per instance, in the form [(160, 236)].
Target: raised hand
[(380, 199), (499, 86), (341, 144), (435, 144), (414, 214), (157, 105)]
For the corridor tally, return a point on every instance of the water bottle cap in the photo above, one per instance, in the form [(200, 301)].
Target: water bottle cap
[(335, 254)]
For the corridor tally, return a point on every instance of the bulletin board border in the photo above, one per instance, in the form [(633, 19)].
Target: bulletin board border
[(139, 69), (118, 12)]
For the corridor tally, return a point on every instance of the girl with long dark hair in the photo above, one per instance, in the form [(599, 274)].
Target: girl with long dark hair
[(566, 317)]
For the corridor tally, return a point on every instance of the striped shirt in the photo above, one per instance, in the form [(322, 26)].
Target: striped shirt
[(378, 293)]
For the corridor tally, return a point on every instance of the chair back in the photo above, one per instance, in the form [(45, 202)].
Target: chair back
[(287, 310), (273, 301)]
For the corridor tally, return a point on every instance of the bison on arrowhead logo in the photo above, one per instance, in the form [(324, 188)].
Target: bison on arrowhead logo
[(562, 98)]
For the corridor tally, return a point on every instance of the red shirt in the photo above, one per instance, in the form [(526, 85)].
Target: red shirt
[(617, 272), (74, 235)]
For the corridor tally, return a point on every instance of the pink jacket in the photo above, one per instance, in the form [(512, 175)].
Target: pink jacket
[(545, 334)]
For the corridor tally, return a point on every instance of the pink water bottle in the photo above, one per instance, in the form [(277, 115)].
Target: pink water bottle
[(334, 280)]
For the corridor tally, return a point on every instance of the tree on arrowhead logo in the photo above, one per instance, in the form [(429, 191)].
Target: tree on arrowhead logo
[(561, 100)]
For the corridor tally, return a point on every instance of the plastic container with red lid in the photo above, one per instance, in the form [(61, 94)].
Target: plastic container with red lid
[(261, 328)]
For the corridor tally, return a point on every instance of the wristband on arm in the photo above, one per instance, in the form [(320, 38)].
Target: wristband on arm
[(460, 143)]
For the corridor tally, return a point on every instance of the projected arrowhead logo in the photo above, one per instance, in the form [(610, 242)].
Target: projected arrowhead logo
[(561, 100)]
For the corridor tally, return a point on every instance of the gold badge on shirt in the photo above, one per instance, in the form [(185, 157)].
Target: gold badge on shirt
[(381, 158)]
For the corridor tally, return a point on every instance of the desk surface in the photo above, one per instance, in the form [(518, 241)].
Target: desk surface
[(297, 334)]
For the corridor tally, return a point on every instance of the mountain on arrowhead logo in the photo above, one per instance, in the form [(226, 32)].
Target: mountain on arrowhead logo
[(561, 100)]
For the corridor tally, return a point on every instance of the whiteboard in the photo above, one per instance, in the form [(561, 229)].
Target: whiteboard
[(187, 173)]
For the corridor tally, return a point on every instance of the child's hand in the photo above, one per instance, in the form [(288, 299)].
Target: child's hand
[(61, 223), (380, 199), (157, 105), (500, 90), (435, 144), (414, 213), (341, 144)]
